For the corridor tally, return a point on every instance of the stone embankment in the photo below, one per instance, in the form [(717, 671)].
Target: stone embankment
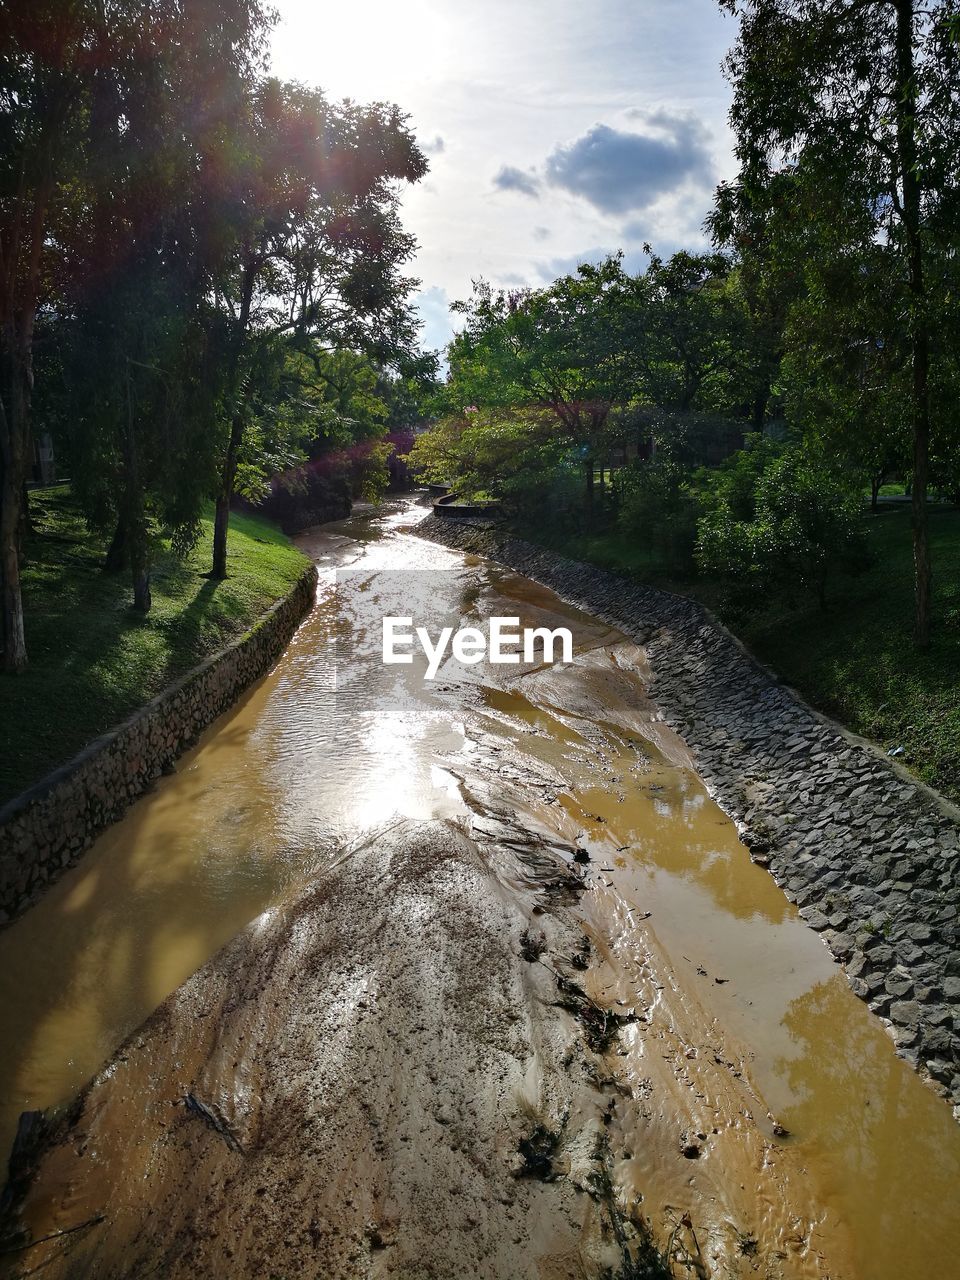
[(871, 858), (46, 829)]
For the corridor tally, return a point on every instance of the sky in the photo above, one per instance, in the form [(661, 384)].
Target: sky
[(556, 130)]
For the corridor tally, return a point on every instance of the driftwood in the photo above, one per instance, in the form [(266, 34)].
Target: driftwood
[(56, 1235)]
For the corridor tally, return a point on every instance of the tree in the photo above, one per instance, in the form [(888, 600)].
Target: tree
[(687, 327), (510, 454), (561, 349), (41, 44), (845, 377), (657, 507), (774, 520), (856, 106), (317, 244), (768, 278), (345, 388), (109, 110), (410, 391), (142, 260)]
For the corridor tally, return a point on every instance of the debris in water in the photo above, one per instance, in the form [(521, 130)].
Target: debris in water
[(537, 1154), (532, 948), (581, 957), (599, 1025)]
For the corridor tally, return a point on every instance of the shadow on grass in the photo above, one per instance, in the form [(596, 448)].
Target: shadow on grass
[(93, 658)]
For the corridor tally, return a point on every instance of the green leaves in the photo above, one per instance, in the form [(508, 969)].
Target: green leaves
[(508, 454), (776, 520)]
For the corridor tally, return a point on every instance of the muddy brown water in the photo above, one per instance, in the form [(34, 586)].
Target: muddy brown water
[(751, 1054)]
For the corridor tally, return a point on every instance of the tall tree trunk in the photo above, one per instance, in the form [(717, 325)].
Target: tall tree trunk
[(133, 514), (875, 493), (20, 275), (221, 521), (228, 474), (20, 281), (14, 434), (26, 527), (590, 480), (138, 542), (923, 573), (906, 107), (14, 642), (116, 558), (140, 574)]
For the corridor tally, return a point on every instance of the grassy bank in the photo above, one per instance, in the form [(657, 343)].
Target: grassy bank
[(855, 660), (93, 660)]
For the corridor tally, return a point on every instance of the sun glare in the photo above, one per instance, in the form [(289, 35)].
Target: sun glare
[(367, 49)]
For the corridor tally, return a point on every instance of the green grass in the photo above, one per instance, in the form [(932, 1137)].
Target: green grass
[(93, 660), (888, 491), (855, 660)]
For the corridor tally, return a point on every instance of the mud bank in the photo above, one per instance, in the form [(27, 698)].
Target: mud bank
[(369, 1081), (870, 858), (403, 1072)]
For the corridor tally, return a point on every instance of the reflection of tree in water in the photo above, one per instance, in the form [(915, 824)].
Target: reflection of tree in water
[(869, 1112), (689, 836)]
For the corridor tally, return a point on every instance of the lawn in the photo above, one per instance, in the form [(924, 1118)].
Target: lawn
[(93, 660), (855, 660)]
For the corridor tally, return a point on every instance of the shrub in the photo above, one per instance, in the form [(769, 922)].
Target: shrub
[(309, 494), (513, 456), (657, 506), (799, 525)]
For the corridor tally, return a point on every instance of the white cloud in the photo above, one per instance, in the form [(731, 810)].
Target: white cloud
[(515, 85), (434, 308)]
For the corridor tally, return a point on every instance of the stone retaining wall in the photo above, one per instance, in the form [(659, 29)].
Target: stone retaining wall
[(46, 829), (871, 857)]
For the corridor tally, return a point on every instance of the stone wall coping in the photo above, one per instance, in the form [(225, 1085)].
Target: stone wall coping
[(65, 772), (48, 826)]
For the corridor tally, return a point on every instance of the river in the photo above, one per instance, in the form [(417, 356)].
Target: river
[(796, 1115)]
